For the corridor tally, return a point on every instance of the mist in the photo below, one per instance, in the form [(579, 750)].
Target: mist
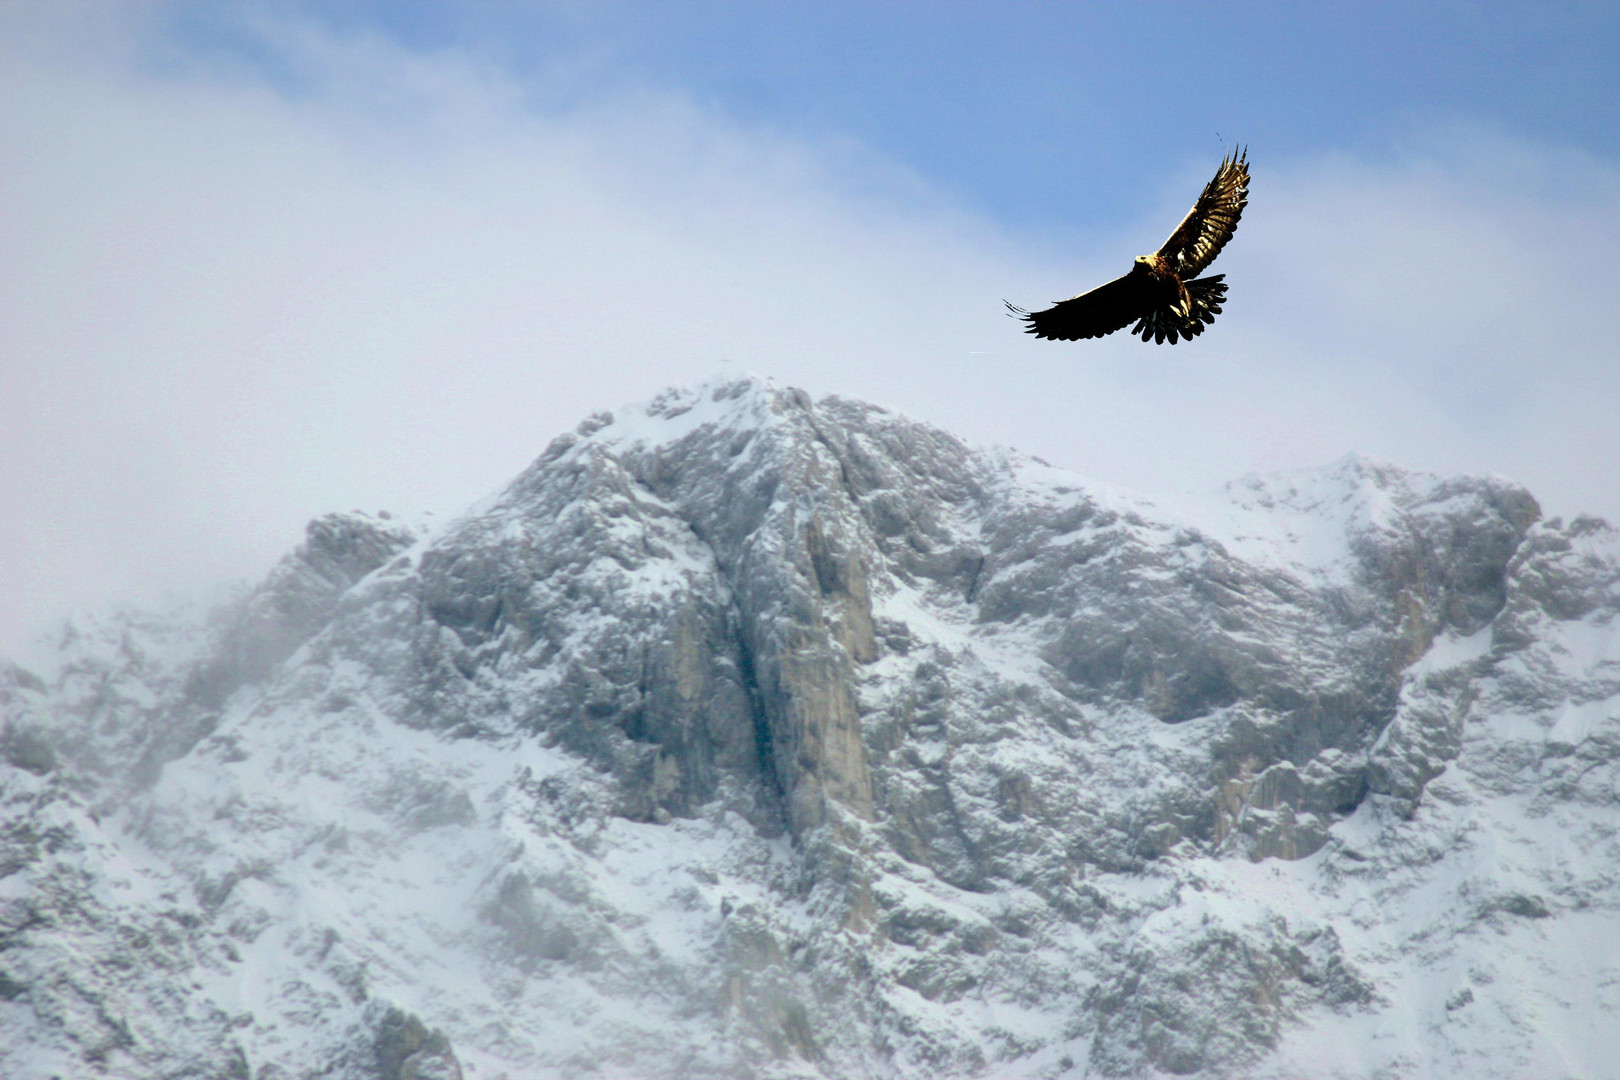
[(228, 305)]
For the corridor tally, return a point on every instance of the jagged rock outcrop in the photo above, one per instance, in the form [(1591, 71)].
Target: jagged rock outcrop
[(141, 689), (745, 735)]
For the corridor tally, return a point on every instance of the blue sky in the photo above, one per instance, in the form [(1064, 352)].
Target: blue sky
[(1046, 116), (268, 260)]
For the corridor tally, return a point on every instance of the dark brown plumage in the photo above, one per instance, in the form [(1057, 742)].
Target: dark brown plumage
[(1162, 294)]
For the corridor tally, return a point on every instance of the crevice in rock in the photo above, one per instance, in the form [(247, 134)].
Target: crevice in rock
[(973, 580), (764, 741)]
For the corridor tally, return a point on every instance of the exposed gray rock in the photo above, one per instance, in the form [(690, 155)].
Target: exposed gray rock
[(297, 600), (408, 1050)]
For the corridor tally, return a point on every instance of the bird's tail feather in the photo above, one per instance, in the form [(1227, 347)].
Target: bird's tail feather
[(1170, 323)]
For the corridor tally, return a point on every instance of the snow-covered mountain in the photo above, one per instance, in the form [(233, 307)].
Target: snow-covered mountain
[(745, 735)]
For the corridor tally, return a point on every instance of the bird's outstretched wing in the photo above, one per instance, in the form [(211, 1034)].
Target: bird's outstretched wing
[(1212, 220), (1101, 311)]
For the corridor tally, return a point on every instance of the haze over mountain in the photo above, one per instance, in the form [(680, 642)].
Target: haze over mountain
[(266, 259), (745, 735)]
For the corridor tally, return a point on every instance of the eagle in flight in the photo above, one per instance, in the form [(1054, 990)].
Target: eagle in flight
[(1162, 294)]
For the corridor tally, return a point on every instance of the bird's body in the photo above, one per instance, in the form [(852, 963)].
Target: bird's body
[(1162, 294)]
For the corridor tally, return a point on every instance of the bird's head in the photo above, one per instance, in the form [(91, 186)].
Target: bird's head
[(1144, 260)]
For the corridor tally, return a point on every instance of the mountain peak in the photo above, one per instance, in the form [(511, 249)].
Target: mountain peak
[(745, 735)]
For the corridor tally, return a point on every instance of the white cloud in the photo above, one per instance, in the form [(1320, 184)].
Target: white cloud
[(224, 309)]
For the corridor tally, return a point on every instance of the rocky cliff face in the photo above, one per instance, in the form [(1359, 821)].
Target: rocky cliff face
[(749, 736)]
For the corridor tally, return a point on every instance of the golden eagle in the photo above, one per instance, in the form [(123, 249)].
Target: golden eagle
[(1162, 293)]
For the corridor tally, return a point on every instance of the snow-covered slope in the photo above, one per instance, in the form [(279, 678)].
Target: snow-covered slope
[(749, 736)]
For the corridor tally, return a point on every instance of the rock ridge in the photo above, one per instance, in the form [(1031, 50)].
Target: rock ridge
[(747, 735)]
